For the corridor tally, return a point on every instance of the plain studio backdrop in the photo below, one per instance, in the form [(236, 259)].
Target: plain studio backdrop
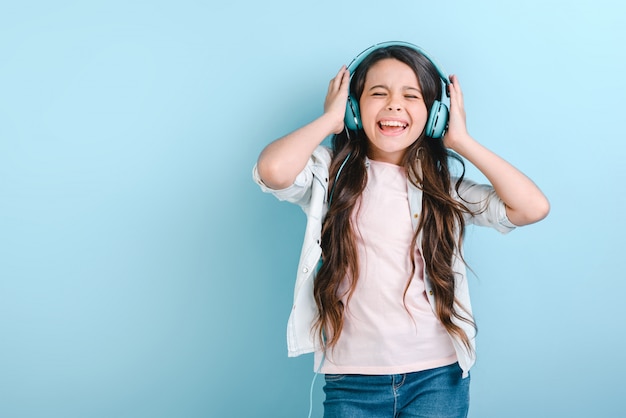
[(144, 274)]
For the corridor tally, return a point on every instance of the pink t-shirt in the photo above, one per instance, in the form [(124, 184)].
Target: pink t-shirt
[(379, 335)]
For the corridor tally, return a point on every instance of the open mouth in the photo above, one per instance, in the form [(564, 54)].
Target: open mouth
[(392, 126)]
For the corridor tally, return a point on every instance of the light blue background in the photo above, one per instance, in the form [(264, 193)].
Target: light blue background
[(143, 273)]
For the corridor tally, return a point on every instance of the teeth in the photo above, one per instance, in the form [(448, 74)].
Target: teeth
[(392, 123)]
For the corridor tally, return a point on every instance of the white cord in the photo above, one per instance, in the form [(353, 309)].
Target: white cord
[(313, 385)]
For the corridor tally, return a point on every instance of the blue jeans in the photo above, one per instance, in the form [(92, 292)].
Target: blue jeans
[(435, 393)]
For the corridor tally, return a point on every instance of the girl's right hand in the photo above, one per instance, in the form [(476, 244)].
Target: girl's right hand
[(283, 159), (337, 98)]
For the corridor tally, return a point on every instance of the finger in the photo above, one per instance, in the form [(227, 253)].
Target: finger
[(332, 84), (345, 79), (456, 86), (335, 83)]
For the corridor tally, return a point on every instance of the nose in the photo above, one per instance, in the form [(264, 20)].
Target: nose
[(394, 103)]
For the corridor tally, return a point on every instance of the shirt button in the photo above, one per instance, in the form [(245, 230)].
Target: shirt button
[(416, 215), (305, 270), (431, 292)]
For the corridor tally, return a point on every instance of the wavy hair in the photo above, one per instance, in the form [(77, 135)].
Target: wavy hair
[(441, 223)]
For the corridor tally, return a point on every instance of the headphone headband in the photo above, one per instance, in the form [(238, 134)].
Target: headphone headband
[(359, 58), (438, 115)]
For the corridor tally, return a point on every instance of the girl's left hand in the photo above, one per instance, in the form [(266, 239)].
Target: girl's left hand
[(457, 127)]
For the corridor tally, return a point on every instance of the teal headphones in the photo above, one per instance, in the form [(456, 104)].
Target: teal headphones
[(437, 116)]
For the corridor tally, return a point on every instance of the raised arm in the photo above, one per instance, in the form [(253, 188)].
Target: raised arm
[(525, 203), (283, 159)]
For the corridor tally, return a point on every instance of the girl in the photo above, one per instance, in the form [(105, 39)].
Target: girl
[(381, 294)]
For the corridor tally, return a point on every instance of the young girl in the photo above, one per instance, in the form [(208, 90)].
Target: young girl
[(381, 294)]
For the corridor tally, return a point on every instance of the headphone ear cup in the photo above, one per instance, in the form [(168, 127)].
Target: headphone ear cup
[(352, 119), (437, 120)]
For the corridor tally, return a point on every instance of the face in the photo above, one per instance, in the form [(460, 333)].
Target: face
[(393, 111)]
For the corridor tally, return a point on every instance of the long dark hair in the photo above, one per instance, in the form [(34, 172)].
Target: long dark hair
[(441, 222)]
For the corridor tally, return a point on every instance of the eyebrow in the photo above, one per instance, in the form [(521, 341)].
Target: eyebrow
[(387, 88)]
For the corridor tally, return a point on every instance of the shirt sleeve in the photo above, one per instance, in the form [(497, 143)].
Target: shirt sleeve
[(486, 206), (300, 191)]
